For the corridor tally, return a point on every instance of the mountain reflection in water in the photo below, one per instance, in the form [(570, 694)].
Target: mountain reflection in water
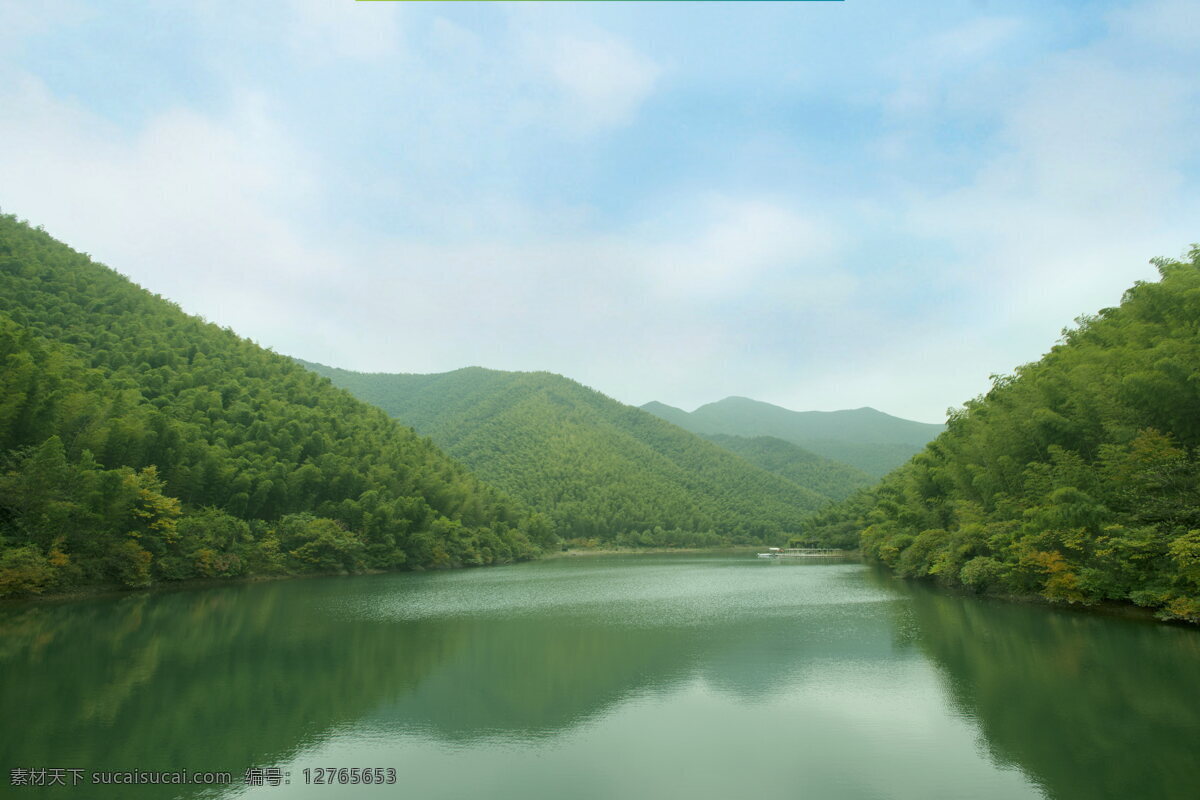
[(643, 673)]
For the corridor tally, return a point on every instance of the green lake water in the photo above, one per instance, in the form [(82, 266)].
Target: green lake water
[(689, 676)]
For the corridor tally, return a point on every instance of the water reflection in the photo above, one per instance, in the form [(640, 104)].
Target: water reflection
[(211, 680), (569, 640), (1090, 706), (828, 661)]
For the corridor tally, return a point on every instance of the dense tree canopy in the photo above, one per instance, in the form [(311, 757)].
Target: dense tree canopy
[(824, 476), (1076, 478), (596, 468), (143, 444)]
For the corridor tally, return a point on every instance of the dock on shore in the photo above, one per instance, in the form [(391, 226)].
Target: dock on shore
[(804, 552)]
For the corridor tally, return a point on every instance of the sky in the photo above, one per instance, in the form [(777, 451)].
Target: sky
[(821, 205)]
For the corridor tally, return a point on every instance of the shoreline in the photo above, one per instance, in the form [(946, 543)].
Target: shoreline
[(105, 590), (620, 551), (1112, 609)]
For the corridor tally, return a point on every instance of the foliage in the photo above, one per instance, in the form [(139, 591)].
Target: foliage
[(1076, 478), (822, 475), (144, 444), (25, 570), (596, 469)]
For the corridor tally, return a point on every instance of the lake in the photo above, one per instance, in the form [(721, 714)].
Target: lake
[(644, 676)]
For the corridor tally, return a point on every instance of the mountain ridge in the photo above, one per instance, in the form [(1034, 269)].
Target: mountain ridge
[(868, 439), (584, 458)]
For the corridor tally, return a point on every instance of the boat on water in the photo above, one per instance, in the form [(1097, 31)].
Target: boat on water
[(802, 552)]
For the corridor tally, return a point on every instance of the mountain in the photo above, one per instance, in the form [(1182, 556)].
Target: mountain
[(598, 468), (673, 415), (1077, 478), (140, 444), (830, 478), (870, 440)]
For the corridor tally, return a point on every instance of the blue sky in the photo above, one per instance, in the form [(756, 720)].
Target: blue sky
[(821, 205)]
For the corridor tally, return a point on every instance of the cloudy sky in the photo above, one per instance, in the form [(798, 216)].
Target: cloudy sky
[(820, 205)]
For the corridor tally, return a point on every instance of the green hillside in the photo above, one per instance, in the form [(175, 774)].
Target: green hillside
[(141, 444), (864, 438), (830, 478), (1076, 478), (598, 468)]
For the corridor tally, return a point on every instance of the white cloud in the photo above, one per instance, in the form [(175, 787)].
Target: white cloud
[(613, 294), (1085, 183), (1173, 24), (209, 211), (191, 207), (19, 20), (817, 293), (602, 80), (929, 72), (744, 241), (1087, 187), (974, 40), (327, 30)]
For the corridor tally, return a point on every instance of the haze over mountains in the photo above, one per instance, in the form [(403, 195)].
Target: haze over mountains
[(870, 440), (599, 468)]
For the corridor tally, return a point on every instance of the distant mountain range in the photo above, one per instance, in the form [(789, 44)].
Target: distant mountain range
[(870, 440), (600, 468)]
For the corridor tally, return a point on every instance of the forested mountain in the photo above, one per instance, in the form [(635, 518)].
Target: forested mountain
[(825, 476), (864, 438), (1076, 478), (598, 468), (142, 444)]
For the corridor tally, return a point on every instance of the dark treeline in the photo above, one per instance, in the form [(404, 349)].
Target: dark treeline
[(1077, 478), (595, 470), (141, 444)]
